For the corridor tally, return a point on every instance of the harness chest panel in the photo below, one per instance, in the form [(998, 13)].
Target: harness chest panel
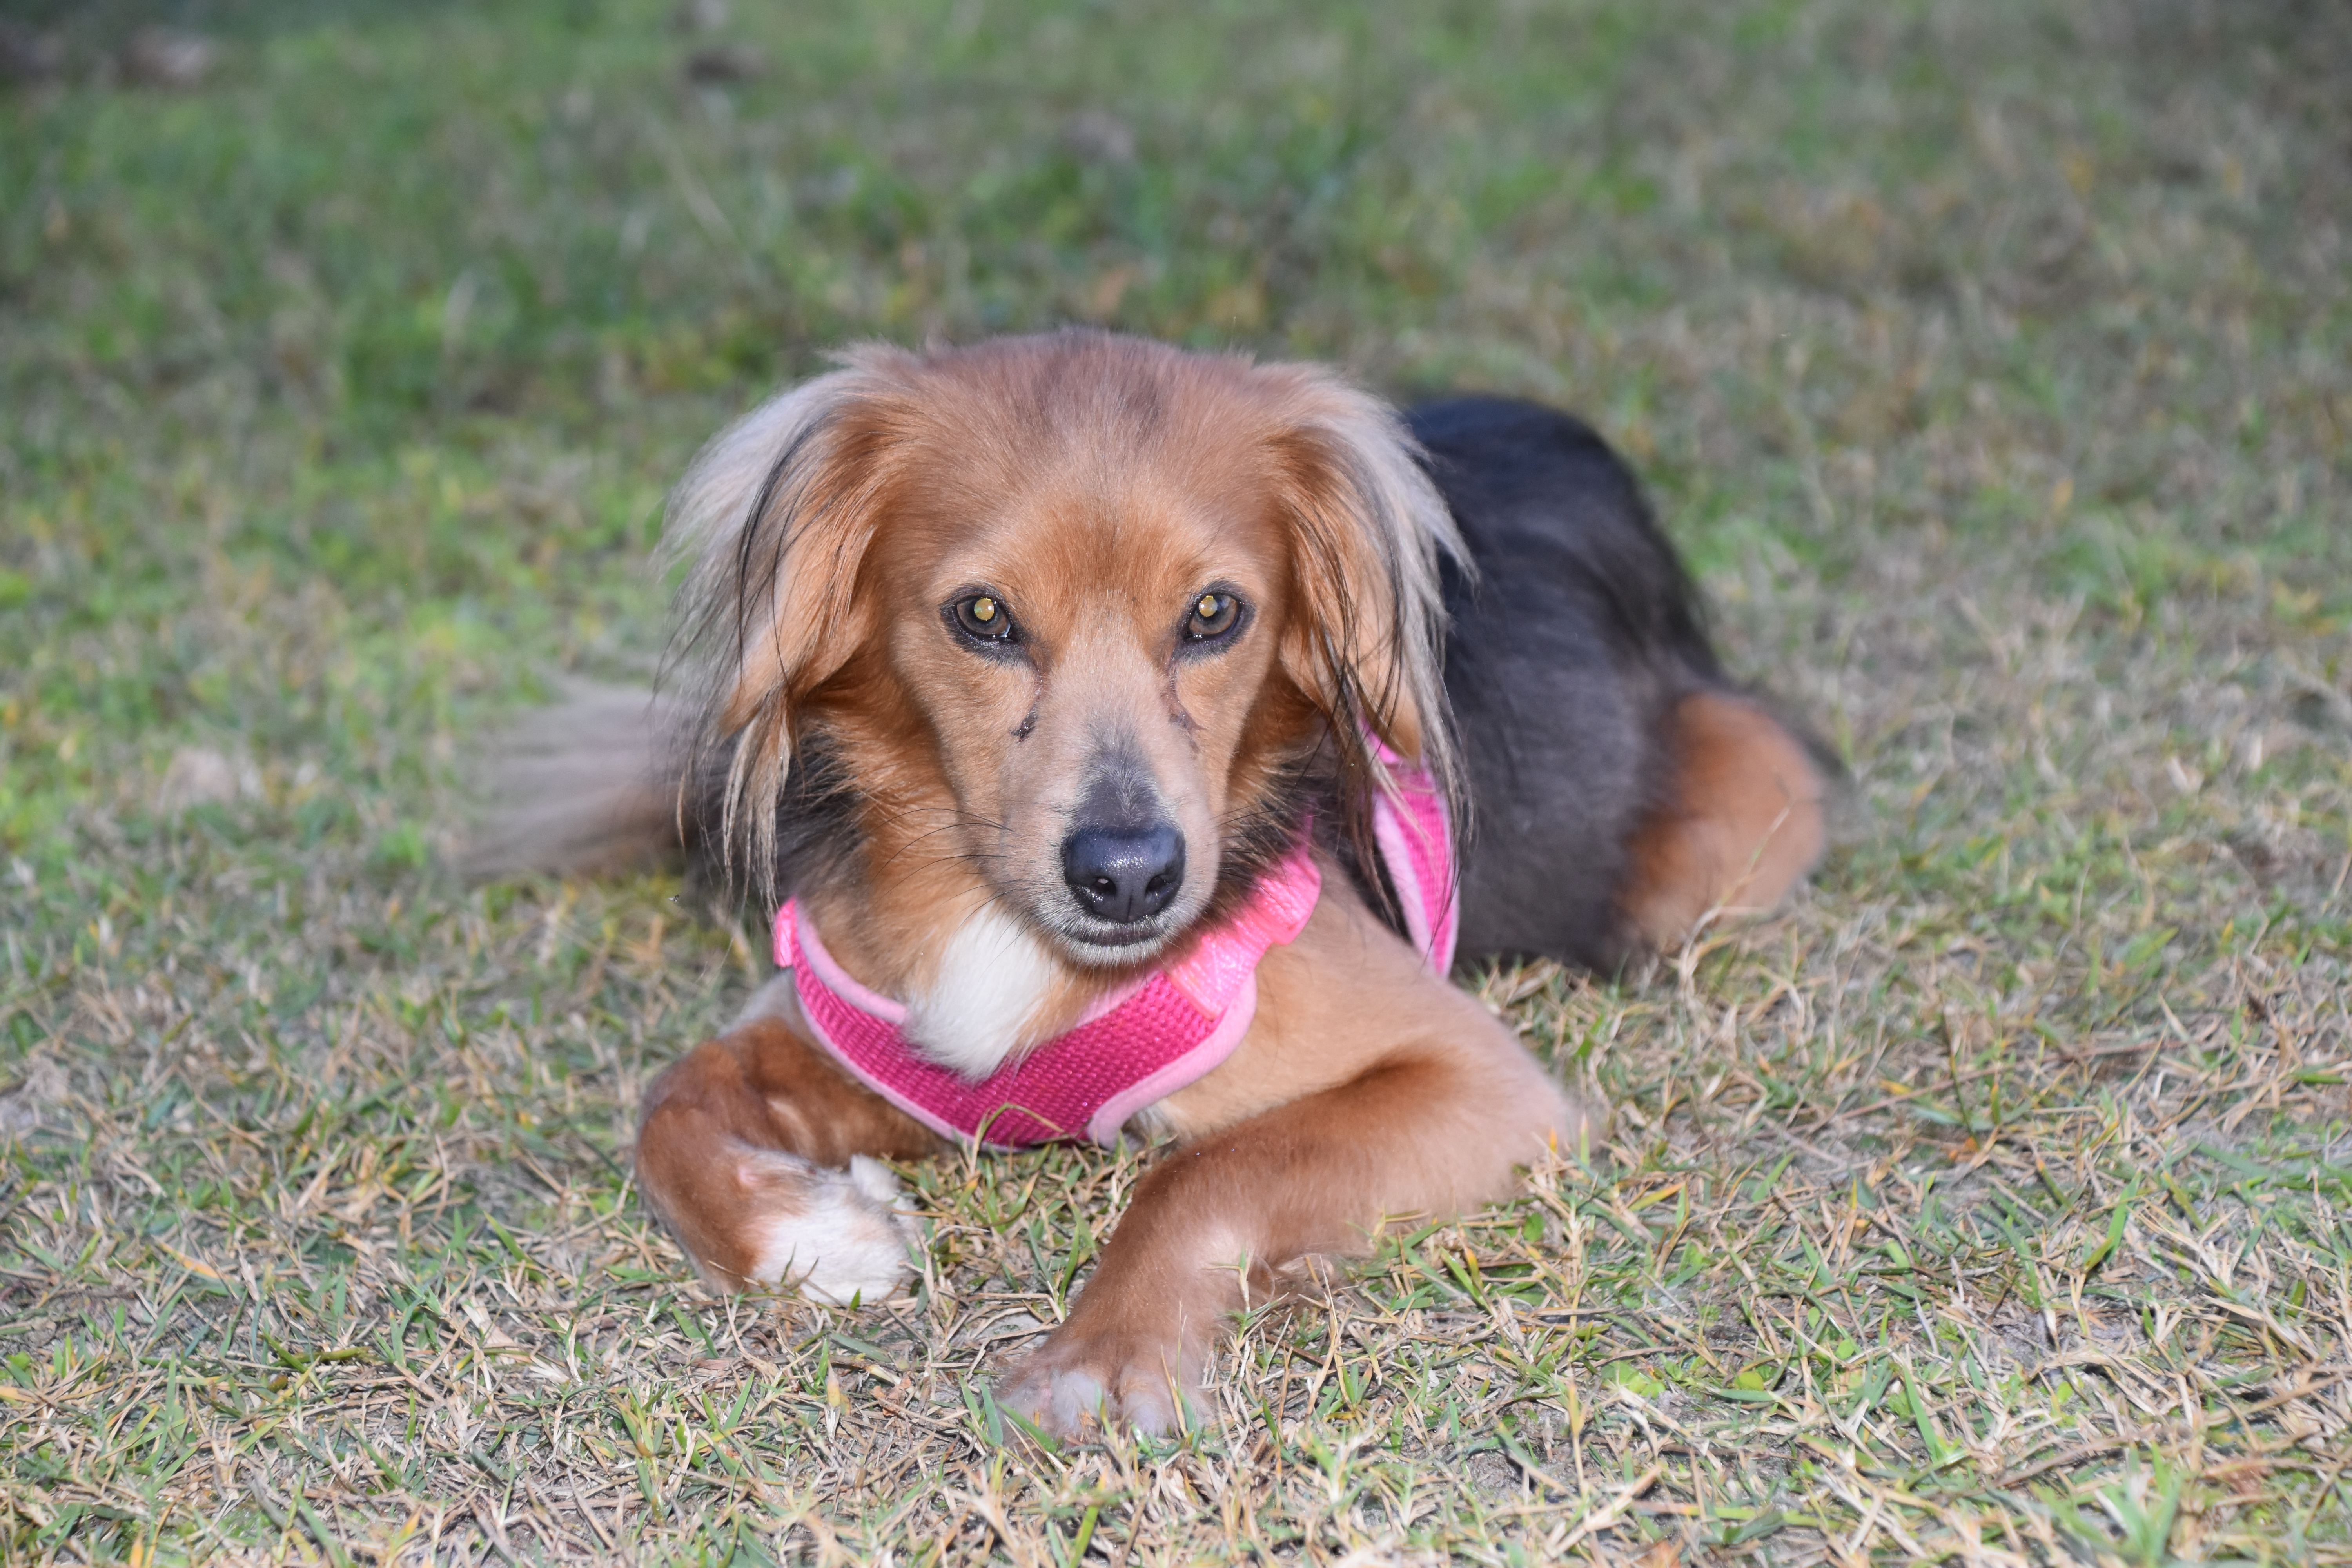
[(1138, 1043)]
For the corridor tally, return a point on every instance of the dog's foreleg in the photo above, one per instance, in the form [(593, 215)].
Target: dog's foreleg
[(1432, 1133), (761, 1156)]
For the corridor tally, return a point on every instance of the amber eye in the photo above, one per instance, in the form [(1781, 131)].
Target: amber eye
[(1214, 615), (984, 615)]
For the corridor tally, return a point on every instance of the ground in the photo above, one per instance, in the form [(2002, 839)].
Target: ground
[(1993, 363)]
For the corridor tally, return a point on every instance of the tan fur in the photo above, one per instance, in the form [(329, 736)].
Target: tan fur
[(1366, 1088), (1743, 823), (1099, 484)]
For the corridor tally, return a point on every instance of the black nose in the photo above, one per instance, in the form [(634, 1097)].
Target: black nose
[(1124, 876)]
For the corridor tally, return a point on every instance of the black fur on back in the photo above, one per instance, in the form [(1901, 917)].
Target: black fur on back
[(1579, 631)]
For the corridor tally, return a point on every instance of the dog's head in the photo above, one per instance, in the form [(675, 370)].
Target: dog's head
[(1068, 614)]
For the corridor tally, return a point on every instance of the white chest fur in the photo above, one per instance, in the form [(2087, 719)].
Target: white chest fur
[(992, 980)]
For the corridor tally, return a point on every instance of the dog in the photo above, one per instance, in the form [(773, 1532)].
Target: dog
[(1130, 740)]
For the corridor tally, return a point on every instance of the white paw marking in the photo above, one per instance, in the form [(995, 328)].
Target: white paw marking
[(992, 978), (846, 1241)]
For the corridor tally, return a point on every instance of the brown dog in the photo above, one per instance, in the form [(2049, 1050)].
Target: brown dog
[(1037, 668)]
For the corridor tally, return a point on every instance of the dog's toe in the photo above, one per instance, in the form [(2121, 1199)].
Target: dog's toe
[(1080, 1387)]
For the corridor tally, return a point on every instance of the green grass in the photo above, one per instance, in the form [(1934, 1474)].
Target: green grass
[(1993, 363)]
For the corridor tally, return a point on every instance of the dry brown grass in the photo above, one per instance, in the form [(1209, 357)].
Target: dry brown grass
[(1995, 365)]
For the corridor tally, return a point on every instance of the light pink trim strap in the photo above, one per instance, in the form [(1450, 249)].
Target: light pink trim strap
[(1104, 1125), (836, 979)]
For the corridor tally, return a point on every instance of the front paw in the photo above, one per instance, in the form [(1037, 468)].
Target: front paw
[(837, 1235), (1092, 1378)]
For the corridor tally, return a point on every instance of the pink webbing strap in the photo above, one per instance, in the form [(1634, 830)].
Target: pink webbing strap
[(1415, 836)]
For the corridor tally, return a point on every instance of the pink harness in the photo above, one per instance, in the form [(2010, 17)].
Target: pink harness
[(1143, 1042)]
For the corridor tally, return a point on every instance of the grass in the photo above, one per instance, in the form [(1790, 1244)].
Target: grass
[(1994, 365)]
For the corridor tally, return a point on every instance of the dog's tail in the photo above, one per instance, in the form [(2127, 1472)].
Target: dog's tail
[(587, 787)]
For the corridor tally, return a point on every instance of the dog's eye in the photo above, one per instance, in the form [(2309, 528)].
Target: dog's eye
[(1213, 615), (984, 615)]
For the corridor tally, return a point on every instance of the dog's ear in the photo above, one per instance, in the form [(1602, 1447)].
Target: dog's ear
[(773, 520), (1368, 530)]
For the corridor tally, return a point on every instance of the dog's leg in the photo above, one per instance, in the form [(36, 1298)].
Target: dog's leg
[(1432, 1131), (1743, 822), (758, 1154)]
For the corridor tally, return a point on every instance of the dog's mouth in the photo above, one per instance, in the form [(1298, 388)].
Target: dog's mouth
[(1097, 944), (1089, 941), (1118, 938)]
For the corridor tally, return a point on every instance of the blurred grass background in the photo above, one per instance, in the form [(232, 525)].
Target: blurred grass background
[(1992, 361)]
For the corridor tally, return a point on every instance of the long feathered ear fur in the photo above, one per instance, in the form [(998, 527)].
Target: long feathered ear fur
[(773, 519), (1367, 645)]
